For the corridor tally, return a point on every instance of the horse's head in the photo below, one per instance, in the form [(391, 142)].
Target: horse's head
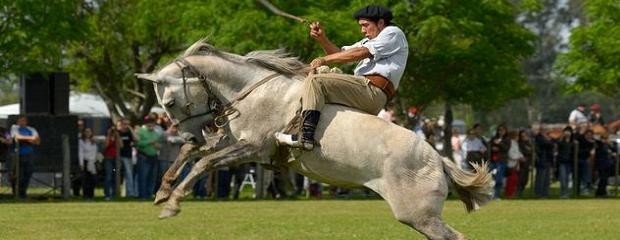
[(190, 88), (184, 97)]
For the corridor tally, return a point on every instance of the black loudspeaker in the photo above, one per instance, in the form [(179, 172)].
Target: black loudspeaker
[(34, 94), (59, 93), (48, 155)]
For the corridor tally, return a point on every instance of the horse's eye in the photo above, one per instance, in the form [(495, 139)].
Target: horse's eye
[(169, 104)]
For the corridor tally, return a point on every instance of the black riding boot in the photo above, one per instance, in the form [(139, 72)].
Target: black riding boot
[(306, 138), (311, 119)]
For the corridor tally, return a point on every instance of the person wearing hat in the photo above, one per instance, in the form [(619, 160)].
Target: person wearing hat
[(595, 116), (381, 56)]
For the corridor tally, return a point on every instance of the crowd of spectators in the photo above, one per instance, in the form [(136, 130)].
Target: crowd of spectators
[(580, 154)]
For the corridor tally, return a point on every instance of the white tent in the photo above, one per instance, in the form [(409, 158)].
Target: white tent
[(81, 104)]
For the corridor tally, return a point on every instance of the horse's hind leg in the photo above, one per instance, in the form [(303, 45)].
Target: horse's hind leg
[(232, 155), (187, 150), (418, 204)]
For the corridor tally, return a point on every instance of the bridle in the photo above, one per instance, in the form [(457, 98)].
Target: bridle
[(213, 102), (222, 111)]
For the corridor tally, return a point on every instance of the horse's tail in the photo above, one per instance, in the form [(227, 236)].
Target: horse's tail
[(474, 188)]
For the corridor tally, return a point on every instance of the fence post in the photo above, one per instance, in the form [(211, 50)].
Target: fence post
[(617, 168), (532, 167), (16, 181), (66, 167)]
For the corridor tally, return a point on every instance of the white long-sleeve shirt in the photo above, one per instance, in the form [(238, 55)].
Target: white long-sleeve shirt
[(87, 154), (389, 52)]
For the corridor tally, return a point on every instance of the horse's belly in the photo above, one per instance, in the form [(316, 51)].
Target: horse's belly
[(354, 147)]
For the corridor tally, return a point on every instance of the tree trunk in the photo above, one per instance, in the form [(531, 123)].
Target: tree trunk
[(447, 131)]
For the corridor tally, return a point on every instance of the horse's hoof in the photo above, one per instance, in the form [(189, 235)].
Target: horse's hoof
[(168, 212), (161, 197)]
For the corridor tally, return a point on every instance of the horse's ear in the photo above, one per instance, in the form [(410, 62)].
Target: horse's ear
[(147, 76)]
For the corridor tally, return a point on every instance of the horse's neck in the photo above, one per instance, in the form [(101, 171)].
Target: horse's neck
[(234, 79)]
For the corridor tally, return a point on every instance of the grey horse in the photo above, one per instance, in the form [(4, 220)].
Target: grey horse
[(262, 91)]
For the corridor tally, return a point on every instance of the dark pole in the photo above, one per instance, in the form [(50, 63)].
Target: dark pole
[(66, 167), (16, 181), (534, 159), (617, 167)]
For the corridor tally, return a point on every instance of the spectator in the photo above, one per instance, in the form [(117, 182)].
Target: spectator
[(595, 116), (80, 127), (158, 123), (585, 155), (512, 165), (474, 149), (565, 159), (525, 147), (5, 144), (239, 175), (163, 121), (578, 116), (149, 143), (27, 137), (111, 146), (457, 150), (603, 162), (127, 136), (544, 161), (500, 143), (223, 183), (87, 156), (168, 153), (387, 113)]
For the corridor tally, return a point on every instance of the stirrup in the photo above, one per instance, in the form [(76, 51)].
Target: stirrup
[(293, 141)]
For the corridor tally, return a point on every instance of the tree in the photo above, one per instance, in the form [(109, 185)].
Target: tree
[(594, 56), (126, 37), (33, 34), (463, 52)]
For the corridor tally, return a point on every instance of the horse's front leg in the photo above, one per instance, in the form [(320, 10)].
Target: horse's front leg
[(187, 151), (231, 155)]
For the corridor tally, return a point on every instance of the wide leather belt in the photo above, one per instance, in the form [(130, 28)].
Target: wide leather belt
[(382, 83)]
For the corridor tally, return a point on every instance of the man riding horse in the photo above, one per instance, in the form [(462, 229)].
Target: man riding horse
[(382, 56)]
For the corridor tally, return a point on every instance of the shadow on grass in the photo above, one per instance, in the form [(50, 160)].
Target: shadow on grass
[(39, 196)]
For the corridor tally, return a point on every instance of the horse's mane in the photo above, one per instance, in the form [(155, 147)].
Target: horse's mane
[(277, 60)]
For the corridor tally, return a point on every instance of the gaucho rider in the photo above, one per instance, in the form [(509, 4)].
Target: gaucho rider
[(382, 56)]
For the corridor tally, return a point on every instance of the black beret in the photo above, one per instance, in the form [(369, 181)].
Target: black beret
[(374, 12)]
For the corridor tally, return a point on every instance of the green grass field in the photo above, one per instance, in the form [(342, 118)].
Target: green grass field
[(304, 219)]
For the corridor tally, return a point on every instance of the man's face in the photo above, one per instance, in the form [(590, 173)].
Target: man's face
[(589, 135), (369, 28), (123, 125), (22, 122), (581, 108)]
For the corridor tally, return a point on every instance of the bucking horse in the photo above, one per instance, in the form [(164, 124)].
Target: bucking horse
[(242, 101)]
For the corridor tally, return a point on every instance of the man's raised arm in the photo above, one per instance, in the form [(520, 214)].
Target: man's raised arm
[(317, 32)]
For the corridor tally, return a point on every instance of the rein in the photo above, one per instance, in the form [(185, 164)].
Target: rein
[(223, 112)]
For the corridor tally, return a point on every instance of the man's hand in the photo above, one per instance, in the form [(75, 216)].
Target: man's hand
[(316, 31), (317, 62)]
